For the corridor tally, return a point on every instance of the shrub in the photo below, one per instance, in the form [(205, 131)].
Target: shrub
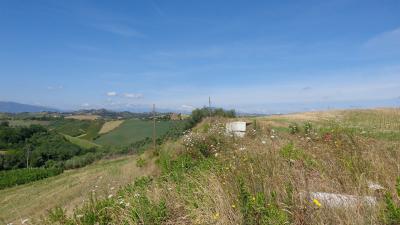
[(307, 128), (391, 212), (293, 128), (83, 160), (140, 162), (258, 209), (11, 178), (205, 144)]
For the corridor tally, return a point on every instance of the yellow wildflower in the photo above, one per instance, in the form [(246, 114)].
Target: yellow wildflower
[(233, 206), (316, 202), (216, 216)]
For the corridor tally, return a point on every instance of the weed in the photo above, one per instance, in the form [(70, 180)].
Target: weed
[(391, 212), (257, 209), (140, 162), (293, 128), (307, 128)]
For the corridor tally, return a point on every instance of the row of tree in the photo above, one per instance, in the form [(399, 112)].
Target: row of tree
[(33, 146)]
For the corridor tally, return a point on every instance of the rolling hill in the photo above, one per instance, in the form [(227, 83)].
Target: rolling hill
[(14, 107)]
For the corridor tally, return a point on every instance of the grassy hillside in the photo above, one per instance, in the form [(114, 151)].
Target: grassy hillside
[(27, 123), (87, 129), (81, 142), (83, 117), (269, 177), (110, 125), (69, 189), (134, 130)]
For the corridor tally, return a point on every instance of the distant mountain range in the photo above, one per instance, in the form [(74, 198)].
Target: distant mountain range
[(14, 107)]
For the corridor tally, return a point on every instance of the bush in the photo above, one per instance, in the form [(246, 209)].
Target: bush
[(11, 178), (258, 209), (307, 128), (391, 212), (206, 144), (293, 128), (83, 160), (140, 162), (199, 114)]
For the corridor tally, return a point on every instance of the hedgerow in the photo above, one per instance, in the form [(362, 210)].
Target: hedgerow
[(11, 178)]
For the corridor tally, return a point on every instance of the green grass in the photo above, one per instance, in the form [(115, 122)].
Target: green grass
[(26, 123), (76, 128), (81, 142), (92, 131), (32, 200), (134, 130)]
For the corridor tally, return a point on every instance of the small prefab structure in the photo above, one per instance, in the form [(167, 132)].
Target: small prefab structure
[(236, 128)]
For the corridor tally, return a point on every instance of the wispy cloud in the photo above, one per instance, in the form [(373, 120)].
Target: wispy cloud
[(157, 8), (386, 40), (52, 88), (111, 93), (119, 29), (187, 107), (133, 95)]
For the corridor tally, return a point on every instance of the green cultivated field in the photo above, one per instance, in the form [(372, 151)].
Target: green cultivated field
[(134, 130), (87, 128), (81, 142), (26, 123)]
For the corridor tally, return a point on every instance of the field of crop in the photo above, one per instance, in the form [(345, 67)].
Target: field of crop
[(26, 123), (83, 117), (69, 189), (87, 129), (134, 130), (81, 142), (110, 125)]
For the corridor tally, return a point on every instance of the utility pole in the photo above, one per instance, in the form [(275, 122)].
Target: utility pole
[(154, 127), (209, 105), (28, 152)]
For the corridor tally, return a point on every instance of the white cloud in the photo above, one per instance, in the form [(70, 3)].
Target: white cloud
[(133, 95), (187, 107), (119, 29), (111, 93), (386, 40), (59, 87), (85, 105)]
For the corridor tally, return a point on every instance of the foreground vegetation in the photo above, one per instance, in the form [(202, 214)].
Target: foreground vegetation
[(78, 183), (267, 177), (69, 189)]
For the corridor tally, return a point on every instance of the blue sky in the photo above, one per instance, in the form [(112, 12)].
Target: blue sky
[(254, 56)]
